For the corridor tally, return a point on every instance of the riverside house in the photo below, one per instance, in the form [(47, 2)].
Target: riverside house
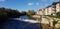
[(50, 10)]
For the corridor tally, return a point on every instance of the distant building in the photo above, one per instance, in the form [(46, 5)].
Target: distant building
[(58, 7), (50, 10), (39, 12), (43, 12), (46, 11), (53, 9)]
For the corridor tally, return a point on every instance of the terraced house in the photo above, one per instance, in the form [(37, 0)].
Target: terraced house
[(50, 10)]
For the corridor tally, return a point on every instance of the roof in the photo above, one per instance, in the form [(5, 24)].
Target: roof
[(49, 6), (40, 9), (54, 3)]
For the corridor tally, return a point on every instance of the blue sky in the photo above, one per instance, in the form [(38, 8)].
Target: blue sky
[(25, 5)]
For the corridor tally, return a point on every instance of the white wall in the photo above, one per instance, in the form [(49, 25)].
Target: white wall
[(49, 10), (57, 7), (40, 12), (46, 11)]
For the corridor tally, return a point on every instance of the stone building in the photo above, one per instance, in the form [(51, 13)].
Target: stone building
[(58, 7), (50, 10)]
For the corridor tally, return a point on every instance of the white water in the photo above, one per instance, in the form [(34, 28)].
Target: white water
[(30, 21), (26, 20)]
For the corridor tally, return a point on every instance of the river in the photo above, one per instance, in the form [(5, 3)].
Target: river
[(17, 24)]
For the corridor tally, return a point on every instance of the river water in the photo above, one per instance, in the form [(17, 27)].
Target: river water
[(17, 24)]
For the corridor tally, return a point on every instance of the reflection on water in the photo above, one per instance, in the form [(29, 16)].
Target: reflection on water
[(24, 17), (17, 24)]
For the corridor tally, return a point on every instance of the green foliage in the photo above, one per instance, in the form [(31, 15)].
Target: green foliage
[(13, 13), (58, 14), (30, 12), (23, 13), (52, 16), (54, 22), (8, 13)]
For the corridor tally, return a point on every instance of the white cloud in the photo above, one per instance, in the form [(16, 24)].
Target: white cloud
[(30, 3), (2, 0), (37, 3)]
